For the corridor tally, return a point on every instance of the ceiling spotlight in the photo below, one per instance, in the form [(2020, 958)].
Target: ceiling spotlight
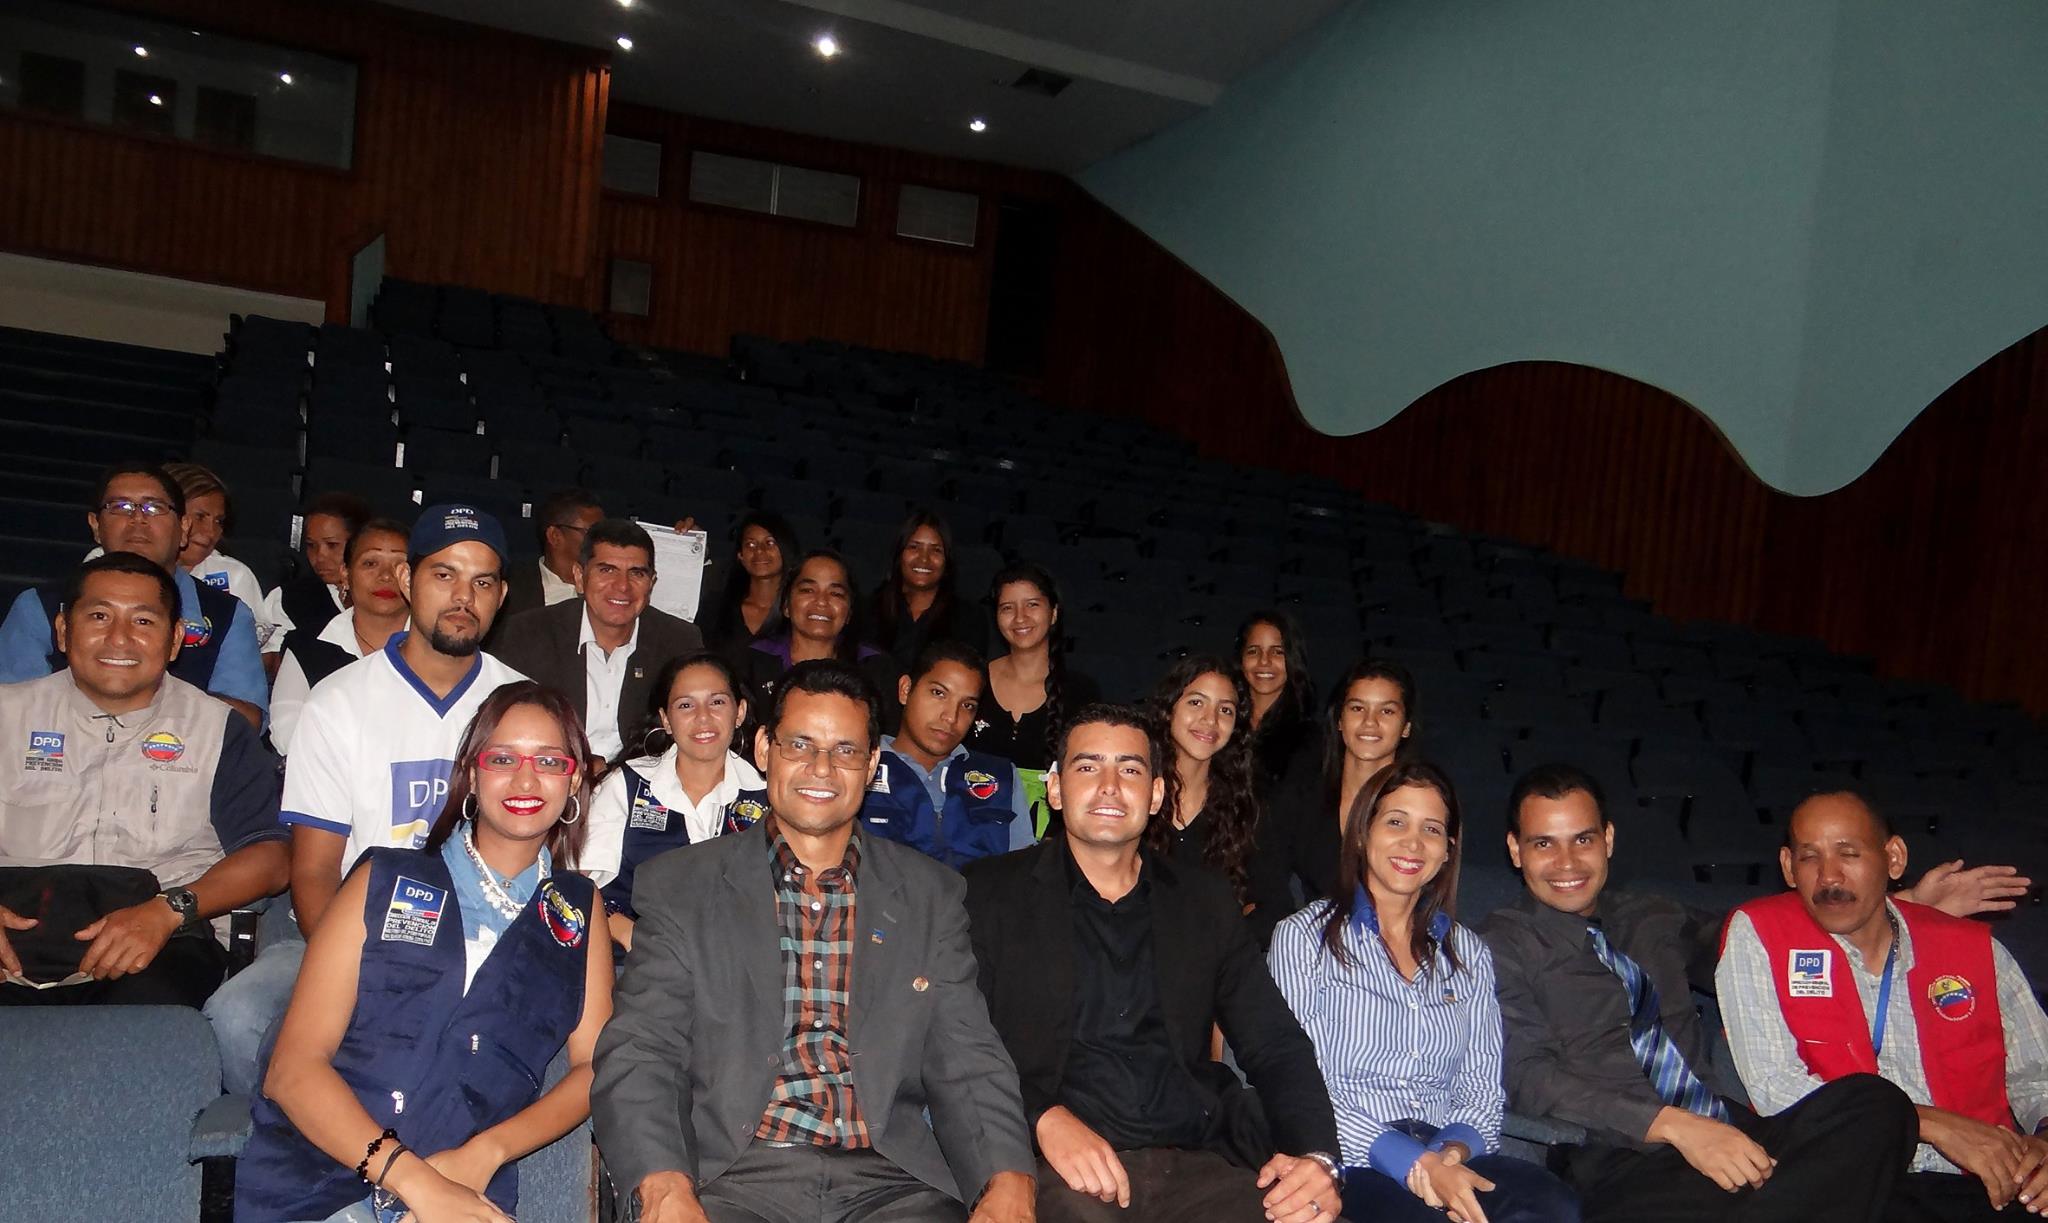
[(284, 78), (826, 45), (625, 43), (625, 3), (978, 125), (142, 50), (156, 99)]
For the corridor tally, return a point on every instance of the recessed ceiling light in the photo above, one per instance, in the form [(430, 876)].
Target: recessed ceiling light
[(285, 77), (625, 3), (977, 125), (142, 50), (156, 99), (625, 43), (826, 45)]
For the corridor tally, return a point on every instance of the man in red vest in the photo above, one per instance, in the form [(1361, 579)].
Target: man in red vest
[(1836, 978)]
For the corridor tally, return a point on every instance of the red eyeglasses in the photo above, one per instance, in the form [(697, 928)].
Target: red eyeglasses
[(505, 760)]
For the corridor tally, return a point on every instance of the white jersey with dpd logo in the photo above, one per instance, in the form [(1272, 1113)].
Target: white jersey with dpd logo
[(375, 747)]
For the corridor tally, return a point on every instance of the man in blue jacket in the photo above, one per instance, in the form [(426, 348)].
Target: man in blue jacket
[(930, 792)]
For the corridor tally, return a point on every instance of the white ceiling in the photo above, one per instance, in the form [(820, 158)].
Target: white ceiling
[(913, 75)]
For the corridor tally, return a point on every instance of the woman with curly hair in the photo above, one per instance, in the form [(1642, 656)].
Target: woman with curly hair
[(1211, 814)]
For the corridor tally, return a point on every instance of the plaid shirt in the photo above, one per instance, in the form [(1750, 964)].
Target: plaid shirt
[(813, 1101)]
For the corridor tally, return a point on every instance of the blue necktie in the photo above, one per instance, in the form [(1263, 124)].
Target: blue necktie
[(1675, 1082)]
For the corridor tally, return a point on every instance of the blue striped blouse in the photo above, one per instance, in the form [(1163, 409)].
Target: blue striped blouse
[(1393, 1050)]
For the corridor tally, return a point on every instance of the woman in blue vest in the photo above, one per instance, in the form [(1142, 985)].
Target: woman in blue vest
[(693, 791), (1398, 1000), (407, 1073)]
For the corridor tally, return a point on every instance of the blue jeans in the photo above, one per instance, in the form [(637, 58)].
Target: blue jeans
[(246, 1010), (1522, 1192)]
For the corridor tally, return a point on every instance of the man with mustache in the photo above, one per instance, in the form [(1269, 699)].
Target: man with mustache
[(797, 1034), (1106, 969), (374, 749), (932, 793), (1596, 992), (140, 508), (1835, 979)]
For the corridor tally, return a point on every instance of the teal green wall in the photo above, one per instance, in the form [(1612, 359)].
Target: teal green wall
[(1804, 217)]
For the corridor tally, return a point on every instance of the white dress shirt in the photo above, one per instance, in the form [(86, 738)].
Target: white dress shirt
[(604, 675), (553, 590)]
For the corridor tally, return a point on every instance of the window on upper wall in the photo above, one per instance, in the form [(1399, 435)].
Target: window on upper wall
[(632, 166), (932, 215), (115, 69), (777, 190)]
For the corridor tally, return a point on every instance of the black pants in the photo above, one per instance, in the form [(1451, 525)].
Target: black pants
[(807, 1184), (184, 973), (1944, 1197), (1167, 1186), (1840, 1151)]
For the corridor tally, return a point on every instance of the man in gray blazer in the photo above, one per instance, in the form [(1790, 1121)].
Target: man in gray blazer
[(603, 648), (795, 1002)]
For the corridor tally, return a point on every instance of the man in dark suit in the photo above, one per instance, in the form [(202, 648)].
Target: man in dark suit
[(797, 1034), (1106, 968), (604, 648), (560, 522)]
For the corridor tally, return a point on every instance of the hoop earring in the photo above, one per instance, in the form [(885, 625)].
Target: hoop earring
[(469, 806), (576, 805)]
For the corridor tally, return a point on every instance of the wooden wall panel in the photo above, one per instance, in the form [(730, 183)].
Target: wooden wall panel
[(476, 152), (719, 272), (1934, 563)]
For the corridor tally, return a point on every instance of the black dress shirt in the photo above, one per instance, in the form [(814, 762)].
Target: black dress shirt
[(1265, 881), (1122, 1076), (1567, 1015)]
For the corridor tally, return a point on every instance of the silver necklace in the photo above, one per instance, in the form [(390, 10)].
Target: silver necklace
[(497, 894)]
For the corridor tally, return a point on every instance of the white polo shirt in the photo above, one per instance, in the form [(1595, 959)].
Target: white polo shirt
[(375, 747)]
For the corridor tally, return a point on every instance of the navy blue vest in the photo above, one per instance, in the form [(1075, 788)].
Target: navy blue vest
[(975, 822), (194, 663), (435, 1064), (653, 829)]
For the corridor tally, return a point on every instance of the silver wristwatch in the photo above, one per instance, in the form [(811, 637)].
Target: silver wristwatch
[(1329, 1165), (184, 904)]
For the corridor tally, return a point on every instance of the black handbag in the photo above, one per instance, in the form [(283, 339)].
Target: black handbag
[(65, 899)]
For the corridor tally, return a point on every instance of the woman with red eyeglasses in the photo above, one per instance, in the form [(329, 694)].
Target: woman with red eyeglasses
[(407, 1074)]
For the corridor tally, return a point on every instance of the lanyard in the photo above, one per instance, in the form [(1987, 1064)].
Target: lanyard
[(1884, 997)]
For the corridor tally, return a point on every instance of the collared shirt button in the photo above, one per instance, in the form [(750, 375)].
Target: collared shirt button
[(816, 905), (817, 1023), (818, 964)]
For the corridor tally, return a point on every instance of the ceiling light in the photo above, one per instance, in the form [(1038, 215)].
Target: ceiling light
[(285, 77), (142, 50), (625, 3), (156, 99), (826, 45), (978, 125), (625, 43)]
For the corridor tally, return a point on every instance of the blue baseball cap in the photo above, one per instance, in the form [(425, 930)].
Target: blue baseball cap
[(443, 526)]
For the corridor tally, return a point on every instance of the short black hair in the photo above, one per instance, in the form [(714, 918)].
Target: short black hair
[(123, 562), (555, 509), (619, 533), (375, 526), (1102, 713), (173, 491), (1553, 780), (665, 679), (1827, 788), (827, 677), (354, 512), (946, 650)]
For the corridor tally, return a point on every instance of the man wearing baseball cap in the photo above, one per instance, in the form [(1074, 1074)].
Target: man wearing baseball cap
[(374, 749)]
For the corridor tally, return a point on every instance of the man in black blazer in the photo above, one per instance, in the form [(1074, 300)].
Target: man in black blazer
[(1106, 968), (604, 648), (797, 1034)]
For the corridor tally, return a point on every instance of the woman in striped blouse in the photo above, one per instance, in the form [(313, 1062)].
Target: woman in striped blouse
[(1398, 1000)]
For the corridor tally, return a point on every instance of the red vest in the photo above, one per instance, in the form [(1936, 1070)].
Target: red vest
[(1953, 985)]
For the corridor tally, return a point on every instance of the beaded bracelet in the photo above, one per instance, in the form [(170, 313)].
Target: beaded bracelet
[(363, 1168)]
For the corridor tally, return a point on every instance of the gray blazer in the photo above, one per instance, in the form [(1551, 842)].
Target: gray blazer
[(685, 1067)]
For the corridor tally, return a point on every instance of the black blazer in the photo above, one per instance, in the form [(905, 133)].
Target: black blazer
[(1021, 910), (541, 644)]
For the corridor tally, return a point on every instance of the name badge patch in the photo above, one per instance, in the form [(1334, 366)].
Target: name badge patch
[(45, 752), (981, 785), (415, 912), (564, 920), (1809, 977), (745, 813), (1952, 997), (880, 785), (647, 815)]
